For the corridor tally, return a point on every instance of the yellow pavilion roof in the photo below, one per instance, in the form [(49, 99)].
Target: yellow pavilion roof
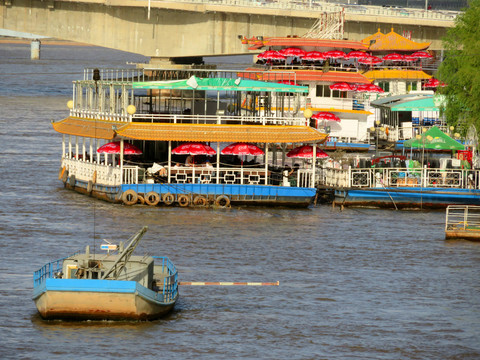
[(108, 130), (396, 74), (221, 133), (393, 42)]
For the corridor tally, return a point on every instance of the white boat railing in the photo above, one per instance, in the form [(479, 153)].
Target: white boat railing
[(220, 119), (399, 177), (100, 115), (462, 217), (84, 171)]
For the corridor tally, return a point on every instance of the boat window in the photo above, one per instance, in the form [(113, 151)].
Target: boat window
[(411, 85), (385, 85), (323, 91)]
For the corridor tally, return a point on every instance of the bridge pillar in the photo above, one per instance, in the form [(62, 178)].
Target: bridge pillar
[(35, 49)]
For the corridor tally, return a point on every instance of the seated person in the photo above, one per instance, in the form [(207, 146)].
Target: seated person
[(157, 170), (177, 165), (208, 164), (189, 161)]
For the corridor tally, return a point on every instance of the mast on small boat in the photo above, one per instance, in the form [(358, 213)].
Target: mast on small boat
[(125, 255)]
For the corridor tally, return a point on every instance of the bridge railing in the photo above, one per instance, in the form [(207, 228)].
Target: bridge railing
[(322, 6)]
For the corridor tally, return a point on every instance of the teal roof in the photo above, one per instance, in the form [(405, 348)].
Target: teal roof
[(411, 102), (220, 84), (425, 104)]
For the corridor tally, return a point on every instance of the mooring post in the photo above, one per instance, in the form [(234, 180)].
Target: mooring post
[(35, 49)]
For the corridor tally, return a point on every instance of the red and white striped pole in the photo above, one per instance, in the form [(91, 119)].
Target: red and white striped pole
[(220, 283)]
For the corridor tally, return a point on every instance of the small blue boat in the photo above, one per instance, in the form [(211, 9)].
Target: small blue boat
[(112, 286)]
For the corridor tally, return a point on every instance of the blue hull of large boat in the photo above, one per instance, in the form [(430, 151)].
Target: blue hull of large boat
[(238, 194), (403, 198)]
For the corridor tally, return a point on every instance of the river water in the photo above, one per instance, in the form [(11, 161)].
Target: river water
[(354, 284)]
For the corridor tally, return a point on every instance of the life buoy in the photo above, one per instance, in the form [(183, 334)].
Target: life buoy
[(61, 172), (168, 199), (141, 200), (200, 200), (222, 201), (129, 197), (94, 177), (152, 198), (183, 200), (90, 186)]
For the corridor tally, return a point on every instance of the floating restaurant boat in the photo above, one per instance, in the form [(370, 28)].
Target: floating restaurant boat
[(112, 286), (155, 112), (462, 222)]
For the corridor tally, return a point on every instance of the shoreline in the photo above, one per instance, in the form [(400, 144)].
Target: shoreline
[(10, 40)]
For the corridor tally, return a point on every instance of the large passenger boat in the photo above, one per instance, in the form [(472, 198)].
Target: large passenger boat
[(156, 114)]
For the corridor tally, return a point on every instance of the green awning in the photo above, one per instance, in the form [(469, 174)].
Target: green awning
[(220, 84), (439, 141), (426, 104)]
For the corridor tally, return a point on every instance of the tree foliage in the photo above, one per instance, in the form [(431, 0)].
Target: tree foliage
[(460, 69)]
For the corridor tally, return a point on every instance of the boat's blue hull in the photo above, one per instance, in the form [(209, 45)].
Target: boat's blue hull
[(99, 300), (407, 197), (237, 194)]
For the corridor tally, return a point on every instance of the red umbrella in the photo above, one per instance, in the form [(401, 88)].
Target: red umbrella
[(433, 83), (314, 55), (422, 55), (409, 58), (363, 88), (370, 60), (306, 151), (114, 148), (334, 54), (292, 51), (324, 115), (271, 54), (356, 55), (193, 148), (375, 88), (393, 57), (342, 86), (240, 148)]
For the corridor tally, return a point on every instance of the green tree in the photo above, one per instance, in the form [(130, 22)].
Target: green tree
[(460, 69)]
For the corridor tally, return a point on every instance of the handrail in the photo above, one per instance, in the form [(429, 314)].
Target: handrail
[(170, 282), (462, 217)]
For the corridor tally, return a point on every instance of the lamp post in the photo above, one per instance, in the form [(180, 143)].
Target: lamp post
[(376, 130)]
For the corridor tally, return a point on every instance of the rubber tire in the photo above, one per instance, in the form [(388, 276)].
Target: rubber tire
[(168, 199), (200, 201), (71, 181), (222, 201), (90, 186), (65, 176), (141, 200), (183, 200), (152, 198), (133, 200)]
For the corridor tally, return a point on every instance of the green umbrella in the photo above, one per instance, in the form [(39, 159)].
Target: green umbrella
[(439, 141)]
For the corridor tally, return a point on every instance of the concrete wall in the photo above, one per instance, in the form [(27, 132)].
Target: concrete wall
[(182, 29)]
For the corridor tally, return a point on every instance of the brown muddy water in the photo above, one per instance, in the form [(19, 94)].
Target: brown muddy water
[(357, 284)]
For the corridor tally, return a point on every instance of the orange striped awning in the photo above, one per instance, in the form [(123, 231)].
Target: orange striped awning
[(85, 127), (309, 75), (221, 133)]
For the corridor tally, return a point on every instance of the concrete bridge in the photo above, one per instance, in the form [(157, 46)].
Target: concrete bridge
[(197, 28)]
